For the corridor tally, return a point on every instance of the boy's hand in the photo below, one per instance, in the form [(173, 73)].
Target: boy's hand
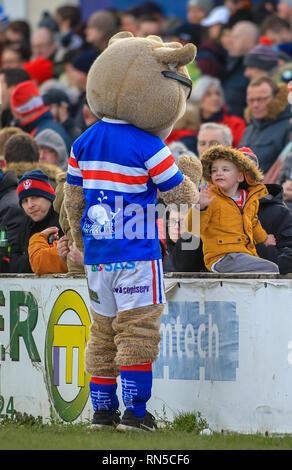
[(270, 240), (51, 231), (205, 199)]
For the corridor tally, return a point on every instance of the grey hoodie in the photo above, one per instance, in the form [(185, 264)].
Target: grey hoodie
[(48, 138)]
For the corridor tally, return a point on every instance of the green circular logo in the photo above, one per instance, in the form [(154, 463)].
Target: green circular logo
[(67, 333)]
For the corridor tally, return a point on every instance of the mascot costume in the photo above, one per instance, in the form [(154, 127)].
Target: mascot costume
[(137, 88)]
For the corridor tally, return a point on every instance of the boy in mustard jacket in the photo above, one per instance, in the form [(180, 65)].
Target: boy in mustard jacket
[(229, 202)]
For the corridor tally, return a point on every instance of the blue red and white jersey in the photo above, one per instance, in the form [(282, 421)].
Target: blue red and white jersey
[(120, 168)]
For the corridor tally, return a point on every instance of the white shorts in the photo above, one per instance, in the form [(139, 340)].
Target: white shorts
[(115, 287)]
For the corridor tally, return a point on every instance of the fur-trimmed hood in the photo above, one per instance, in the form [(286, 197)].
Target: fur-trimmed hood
[(275, 107), (252, 173), (20, 168)]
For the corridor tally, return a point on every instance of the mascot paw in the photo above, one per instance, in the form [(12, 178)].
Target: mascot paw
[(191, 166)]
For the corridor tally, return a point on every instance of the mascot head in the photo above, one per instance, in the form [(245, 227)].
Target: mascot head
[(142, 81)]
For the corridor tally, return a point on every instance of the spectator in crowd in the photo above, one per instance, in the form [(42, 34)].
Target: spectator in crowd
[(15, 55), (5, 134), (147, 25), (211, 133), (68, 18), (9, 79), (240, 10), (268, 116), (28, 107), (244, 36), (40, 70), (36, 197), (208, 97), (81, 65), (276, 219), (183, 253), (284, 10), (21, 154), (59, 103), (262, 9), (197, 10), (128, 22), (227, 247), (101, 26), (277, 29), (217, 17), (52, 148), (43, 44), (43, 253), (11, 215), (261, 60), (18, 32)]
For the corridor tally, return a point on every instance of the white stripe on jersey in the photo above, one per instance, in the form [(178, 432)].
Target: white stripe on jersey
[(114, 186), (165, 175), (157, 158)]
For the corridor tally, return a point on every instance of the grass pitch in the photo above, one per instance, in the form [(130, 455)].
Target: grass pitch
[(24, 432)]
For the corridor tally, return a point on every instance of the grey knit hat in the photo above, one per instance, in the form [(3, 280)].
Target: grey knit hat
[(204, 5), (262, 56), (49, 138)]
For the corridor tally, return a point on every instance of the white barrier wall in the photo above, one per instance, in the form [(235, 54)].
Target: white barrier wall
[(226, 350)]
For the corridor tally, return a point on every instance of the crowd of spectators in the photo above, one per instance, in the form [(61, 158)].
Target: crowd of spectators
[(240, 99)]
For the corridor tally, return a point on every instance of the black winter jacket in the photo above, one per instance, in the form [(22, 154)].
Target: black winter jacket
[(11, 214), (19, 255)]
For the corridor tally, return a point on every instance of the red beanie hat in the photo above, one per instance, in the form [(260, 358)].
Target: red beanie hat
[(39, 69), (26, 98)]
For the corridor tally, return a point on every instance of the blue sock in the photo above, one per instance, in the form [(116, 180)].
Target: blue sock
[(136, 387), (103, 393)]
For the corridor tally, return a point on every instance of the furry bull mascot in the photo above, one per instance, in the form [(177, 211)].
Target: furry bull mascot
[(137, 88)]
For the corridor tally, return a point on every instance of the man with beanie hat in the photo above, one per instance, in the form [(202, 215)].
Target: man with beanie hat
[(36, 196), (261, 59), (28, 107)]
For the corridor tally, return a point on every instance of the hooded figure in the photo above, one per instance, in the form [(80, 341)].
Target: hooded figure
[(49, 139), (229, 224)]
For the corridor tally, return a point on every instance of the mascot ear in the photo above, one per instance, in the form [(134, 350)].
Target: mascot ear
[(120, 35), (175, 57)]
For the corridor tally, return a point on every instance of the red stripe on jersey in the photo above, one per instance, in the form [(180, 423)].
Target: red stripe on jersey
[(72, 162), (116, 177), (147, 366), (103, 380), (161, 167)]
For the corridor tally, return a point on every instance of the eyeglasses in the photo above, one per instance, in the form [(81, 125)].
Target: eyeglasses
[(180, 78), (259, 100)]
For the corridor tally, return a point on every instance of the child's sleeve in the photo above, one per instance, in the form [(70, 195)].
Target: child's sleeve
[(259, 233), (43, 258)]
